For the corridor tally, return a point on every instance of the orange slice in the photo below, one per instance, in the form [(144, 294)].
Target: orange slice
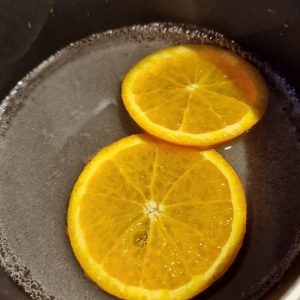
[(150, 220), (195, 95)]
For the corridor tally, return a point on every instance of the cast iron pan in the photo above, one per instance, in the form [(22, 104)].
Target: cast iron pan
[(69, 107)]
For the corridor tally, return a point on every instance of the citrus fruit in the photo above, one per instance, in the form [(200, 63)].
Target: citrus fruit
[(197, 95), (151, 220)]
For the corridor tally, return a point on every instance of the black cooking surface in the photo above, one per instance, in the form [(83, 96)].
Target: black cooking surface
[(32, 32)]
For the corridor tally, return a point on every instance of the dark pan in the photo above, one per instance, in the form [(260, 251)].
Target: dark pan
[(69, 107)]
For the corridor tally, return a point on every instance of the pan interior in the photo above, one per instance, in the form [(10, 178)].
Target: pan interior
[(70, 107)]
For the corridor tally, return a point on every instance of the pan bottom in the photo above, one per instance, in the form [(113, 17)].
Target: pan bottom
[(69, 107)]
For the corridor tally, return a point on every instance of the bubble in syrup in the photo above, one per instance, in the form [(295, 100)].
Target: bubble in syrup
[(141, 239)]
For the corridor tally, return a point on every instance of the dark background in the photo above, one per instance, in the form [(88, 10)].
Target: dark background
[(32, 30)]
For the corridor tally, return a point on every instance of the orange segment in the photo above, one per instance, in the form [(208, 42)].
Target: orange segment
[(123, 260), (151, 220), (195, 95), (174, 106), (201, 252), (210, 185)]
